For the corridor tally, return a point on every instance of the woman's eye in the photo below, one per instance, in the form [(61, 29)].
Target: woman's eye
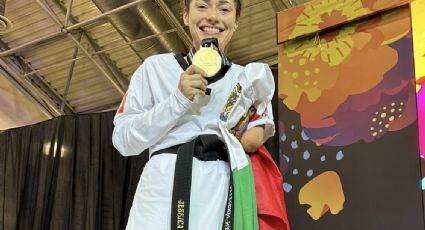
[(201, 7), (225, 9)]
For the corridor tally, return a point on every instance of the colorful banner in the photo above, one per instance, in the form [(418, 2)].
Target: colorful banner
[(348, 118), (418, 24), (418, 27)]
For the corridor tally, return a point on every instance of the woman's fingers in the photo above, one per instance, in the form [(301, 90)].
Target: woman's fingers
[(193, 69), (195, 81), (198, 82), (192, 82)]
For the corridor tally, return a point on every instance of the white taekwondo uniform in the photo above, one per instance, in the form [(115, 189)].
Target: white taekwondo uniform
[(156, 115)]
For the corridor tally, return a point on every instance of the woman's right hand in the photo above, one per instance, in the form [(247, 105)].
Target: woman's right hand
[(193, 82)]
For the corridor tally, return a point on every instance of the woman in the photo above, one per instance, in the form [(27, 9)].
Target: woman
[(166, 106)]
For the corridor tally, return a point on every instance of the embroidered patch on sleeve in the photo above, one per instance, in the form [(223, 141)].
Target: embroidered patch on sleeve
[(121, 108)]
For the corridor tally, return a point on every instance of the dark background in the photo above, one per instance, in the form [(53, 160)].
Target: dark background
[(82, 183), (381, 180)]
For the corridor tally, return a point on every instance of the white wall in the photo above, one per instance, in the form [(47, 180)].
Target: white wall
[(15, 108)]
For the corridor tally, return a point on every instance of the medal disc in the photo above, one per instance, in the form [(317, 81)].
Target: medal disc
[(208, 59)]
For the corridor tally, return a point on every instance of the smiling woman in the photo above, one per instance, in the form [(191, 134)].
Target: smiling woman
[(167, 111), (207, 18)]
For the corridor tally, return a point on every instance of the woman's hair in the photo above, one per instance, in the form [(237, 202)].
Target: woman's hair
[(237, 4)]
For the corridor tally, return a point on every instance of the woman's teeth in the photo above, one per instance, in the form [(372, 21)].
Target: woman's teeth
[(210, 30)]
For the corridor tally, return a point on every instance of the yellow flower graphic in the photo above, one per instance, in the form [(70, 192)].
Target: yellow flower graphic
[(330, 11), (318, 73)]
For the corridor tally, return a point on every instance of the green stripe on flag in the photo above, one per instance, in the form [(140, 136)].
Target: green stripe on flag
[(245, 206)]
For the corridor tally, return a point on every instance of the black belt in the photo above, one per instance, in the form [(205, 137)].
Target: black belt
[(205, 148), (220, 153)]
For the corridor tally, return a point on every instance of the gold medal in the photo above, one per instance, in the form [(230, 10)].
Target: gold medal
[(208, 59)]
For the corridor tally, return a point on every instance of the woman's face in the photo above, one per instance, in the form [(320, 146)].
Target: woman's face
[(211, 18)]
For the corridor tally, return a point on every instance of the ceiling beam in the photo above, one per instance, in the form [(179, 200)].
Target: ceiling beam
[(110, 77), (275, 5), (16, 66), (61, 63), (68, 14), (171, 18), (69, 18), (71, 72), (63, 31), (39, 103), (103, 108), (108, 64), (290, 3)]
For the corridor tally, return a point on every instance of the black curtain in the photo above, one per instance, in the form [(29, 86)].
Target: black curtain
[(65, 174)]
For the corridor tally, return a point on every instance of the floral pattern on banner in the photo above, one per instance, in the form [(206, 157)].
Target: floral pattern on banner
[(318, 15), (418, 7), (334, 78), (331, 11)]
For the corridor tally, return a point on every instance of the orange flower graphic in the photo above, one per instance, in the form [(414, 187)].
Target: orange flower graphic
[(318, 73)]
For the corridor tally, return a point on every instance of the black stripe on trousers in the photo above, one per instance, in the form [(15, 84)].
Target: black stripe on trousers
[(204, 147)]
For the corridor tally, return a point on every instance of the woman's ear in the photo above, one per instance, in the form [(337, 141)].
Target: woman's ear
[(185, 18)]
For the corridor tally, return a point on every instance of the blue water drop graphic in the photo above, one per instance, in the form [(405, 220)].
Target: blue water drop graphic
[(292, 127), (304, 136), (339, 155), (283, 138), (423, 183), (295, 171), (306, 155), (286, 158), (287, 187), (294, 145), (310, 172), (322, 158)]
